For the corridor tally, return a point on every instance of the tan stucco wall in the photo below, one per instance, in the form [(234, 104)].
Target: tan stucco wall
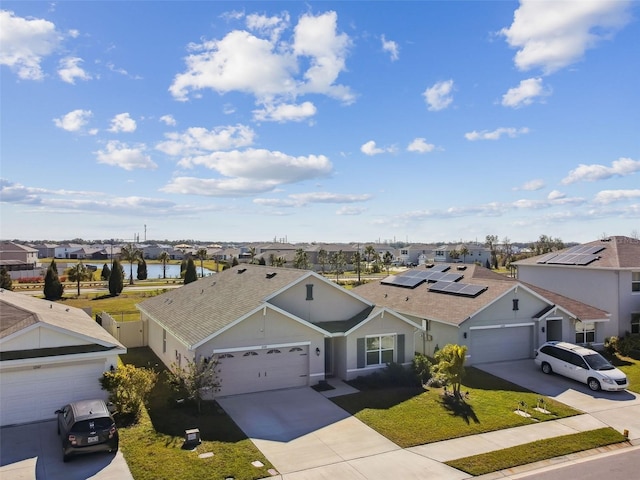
[(330, 302), (175, 350)]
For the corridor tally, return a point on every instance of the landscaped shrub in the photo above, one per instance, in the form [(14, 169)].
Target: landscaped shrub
[(30, 280), (394, 375), (627, 346), (421, 366)]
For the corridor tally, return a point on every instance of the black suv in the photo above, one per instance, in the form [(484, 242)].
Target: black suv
[(86, 427)]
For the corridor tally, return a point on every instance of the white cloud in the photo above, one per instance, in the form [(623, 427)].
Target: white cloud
[(213, 187), (420, 145), (370, 148), (350, 210), (556, 195), (609, 196), (119, 154), (267, 69), (495, 134), (553, 35), (285, 112), (525, 93), (69, 70), (25, 42), (123, 123), (532, 185), (168, 120), (591, 173), (391, 47), (263, 165), (302, 199), (198, 140), (438, 96), (270, 26), (73, 121)]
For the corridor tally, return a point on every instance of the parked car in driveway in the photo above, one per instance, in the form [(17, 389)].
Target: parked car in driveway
[(581, 364), (86, 427)]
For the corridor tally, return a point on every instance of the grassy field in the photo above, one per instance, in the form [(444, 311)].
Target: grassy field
[(413, 416)]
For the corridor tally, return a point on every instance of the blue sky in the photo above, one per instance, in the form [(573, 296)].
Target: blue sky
[(320, 121)]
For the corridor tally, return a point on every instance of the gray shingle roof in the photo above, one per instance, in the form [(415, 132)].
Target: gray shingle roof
[(619, 252), (197, 310), (19, 311)]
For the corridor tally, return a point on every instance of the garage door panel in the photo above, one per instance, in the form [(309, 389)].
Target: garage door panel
[(35, 394), (271, 369), (501, 344)]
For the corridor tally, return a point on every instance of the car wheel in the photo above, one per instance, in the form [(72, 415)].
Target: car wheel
[(546, 368), (114, 447), (65, 457), (593, 384)]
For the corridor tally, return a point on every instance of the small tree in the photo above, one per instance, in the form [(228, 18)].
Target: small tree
[(164, 258), (449, 367), (116, 279), (202, 256), (387, 259), (106, 272), (5, 280), (141, 273), (197, 380), (323, 259), (301, 260), (464, 251), (53, 289), (129, 388), (79, 273), (130, 254), (190, 274)]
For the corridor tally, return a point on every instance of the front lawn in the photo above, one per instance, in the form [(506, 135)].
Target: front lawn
[(414, 416), (536, 451), (631, 368), (153, 447)]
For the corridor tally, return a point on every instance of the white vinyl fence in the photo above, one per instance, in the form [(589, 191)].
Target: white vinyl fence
[(130, 334)]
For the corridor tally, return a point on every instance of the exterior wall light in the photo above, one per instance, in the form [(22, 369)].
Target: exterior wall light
[(317, 351)]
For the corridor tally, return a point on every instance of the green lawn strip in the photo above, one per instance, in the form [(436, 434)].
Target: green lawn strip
[(631, 368), (536, 451), (153, 447), (413, 416)]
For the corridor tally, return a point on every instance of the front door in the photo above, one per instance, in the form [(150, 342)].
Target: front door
[(554, 330)]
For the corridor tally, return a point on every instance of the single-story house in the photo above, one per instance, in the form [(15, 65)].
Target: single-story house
[(604, 273), (50, 354), (274, 328), (498, 318)]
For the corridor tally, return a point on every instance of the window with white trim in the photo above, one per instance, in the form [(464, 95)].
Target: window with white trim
[(635, 282), (635, 323), (380, 349), (585, 332)]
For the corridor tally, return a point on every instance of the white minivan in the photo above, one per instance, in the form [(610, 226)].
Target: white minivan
[(581, 364)]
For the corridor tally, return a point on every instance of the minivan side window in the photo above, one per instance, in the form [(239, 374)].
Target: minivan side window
[(549, 350), (576, 360)]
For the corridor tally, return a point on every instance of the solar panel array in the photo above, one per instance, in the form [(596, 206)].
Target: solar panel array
[(462, 289), (578, 255), (413, 278)]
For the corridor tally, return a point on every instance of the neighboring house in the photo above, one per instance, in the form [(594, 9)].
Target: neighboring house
[(14, 256), (69, 250), (45, 250), (477, 254), (604, 273), (152, 252), (275, 328), (416, 254), (50, 355), (496, 317)]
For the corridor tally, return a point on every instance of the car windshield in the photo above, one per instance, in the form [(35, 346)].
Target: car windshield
[(598, 362)]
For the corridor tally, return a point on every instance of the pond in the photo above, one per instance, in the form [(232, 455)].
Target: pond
[(154, 270)]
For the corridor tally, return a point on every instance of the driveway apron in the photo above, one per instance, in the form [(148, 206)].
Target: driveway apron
[(306, 436), (620, 410)]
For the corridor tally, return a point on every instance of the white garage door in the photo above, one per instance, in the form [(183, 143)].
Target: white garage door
[(35, 394), (501, 344), (265, 369)]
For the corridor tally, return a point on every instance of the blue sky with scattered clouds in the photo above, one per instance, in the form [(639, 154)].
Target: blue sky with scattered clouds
[(320, 121)]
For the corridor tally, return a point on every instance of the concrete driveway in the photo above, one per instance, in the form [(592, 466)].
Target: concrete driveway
[(308, 437), (34, 451), (620, 410)]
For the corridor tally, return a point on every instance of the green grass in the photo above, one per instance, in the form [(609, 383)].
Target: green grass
[(536, 451), (153, 447), (631, 368), (414, 416)]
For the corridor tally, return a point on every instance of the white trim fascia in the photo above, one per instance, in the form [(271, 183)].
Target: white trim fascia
[(71, 333), (259, 347), (60, 359), (504, 325), (316, 374)]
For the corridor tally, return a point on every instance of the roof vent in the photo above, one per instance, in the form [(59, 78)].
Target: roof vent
[(605, 239), (461, 267), (242, 270), (271, 275)]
